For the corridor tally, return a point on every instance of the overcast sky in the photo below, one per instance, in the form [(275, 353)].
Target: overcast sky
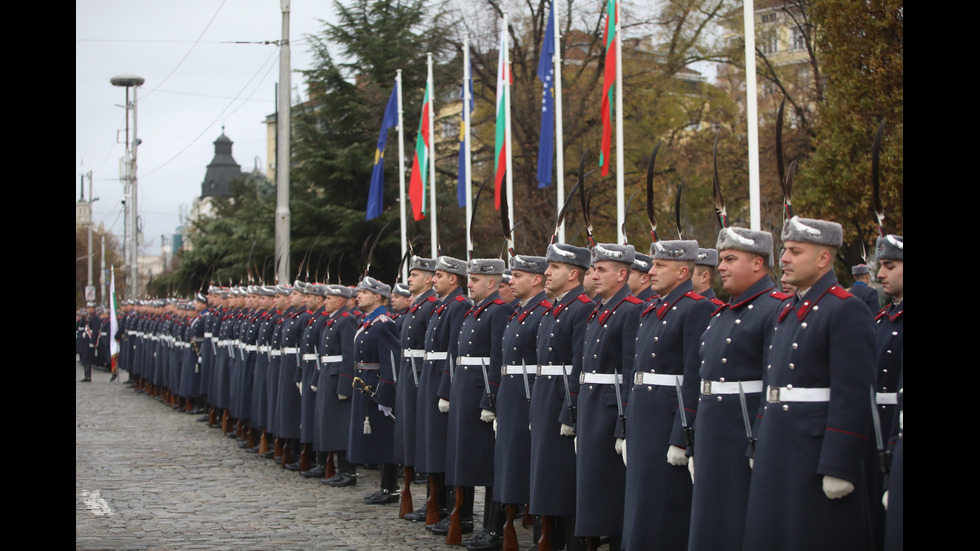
[(195, 83)]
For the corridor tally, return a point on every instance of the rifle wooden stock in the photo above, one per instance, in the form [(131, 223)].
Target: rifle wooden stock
[(544, 542), (226, 421), (263, 442), (527, 520), (212, 416), (188, 407), (304, 458), (278, 448), (510, 534), (431, 502), (330, 469), (287, 456), (405, 505), (238, 431), (249, 436), (455, 534), (592, 543)]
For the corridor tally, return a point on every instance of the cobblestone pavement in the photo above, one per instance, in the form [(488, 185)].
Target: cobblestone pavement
[(148, 477)]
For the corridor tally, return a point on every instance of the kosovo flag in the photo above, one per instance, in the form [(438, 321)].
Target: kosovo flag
[(376, 193)]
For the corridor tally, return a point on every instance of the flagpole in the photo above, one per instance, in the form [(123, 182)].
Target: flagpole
[(402, 199), (752, 114), (433, 207), (559, 140), (466, 138), (509, 175), (620, 202)]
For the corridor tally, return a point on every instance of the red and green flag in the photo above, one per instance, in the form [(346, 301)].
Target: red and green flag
[(501, 147), (416, 185), (608, 85)]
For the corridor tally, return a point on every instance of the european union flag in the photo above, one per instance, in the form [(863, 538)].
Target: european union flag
[(376, 193), (462, 178), (546, 73)]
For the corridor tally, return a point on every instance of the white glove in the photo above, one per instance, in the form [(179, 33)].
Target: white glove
[(487, 416), (836, 488), (575, 445), (567, 430), (384, 409), (443, 406), (342, 397), (299, 386), (884, 498), (690, 468), (313, 388), (495, 427), (751, 463), (676, 456), (623, 449)]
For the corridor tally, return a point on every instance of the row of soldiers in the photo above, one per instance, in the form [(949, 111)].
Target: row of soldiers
[(614, 399), (92, 339)]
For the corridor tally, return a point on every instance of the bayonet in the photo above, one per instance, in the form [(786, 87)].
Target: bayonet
[(884, 456), (745, 418), (491, 398), (688, 431), (568, 396), (626, 215), (415, 375), (650, 214), (677, 211), (585, 207), (562, 211), (716, 185), (619, 404), (394, 368), (527, 387)]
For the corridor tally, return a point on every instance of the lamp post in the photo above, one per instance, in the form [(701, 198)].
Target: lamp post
[(128, 81)]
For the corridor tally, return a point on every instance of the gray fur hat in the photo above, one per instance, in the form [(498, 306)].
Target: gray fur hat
[(422, 264), (486, 266), (339, 291), (860, 269), (284, 290), (201, 298), (451, 265), (613, 253), (531, 264), (375, 286), (642, 262), (300, 286), (707, 257), (811, 230), (889, 247), (569, 254), (317, 289), (401, 289), (267, 290), (746, 240), (682, 250)]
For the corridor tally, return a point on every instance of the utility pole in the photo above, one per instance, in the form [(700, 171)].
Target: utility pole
[(283, 152)]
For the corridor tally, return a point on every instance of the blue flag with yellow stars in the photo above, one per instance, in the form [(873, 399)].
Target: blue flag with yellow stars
[(376, 193)]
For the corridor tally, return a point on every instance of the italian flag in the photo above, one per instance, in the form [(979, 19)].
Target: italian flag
[(608, 85), (500, 149), (416, 185)]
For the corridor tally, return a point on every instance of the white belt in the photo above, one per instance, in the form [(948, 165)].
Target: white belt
[(793, 394), (222, 342), (729, 387), (368, 366), (519, 370), (251, 347), (331, 359), (469, 360), (886, 398), (658, 379), (413, 353), (435, 355), (290, 350), (207, 334), (554, 370), (275, 353), (214, 339), (263, 348), (309, 357), (601, 378)]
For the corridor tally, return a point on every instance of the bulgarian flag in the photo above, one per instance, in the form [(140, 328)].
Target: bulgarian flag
[(113, 323), (416, 185), (608, 85), (501, 147)]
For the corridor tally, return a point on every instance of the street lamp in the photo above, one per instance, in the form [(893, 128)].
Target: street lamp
[(129, 177)]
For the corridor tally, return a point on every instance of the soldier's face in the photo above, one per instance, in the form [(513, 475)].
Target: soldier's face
[(442, 282), (638, 281), (399, 302), (890, 277), (738, 270), (523, 285), (804, 263), (666, 275), (418, 281), (367, 301), (481, 286), (608, 277), (333, 303), (557, 277), (506, 290), (296, 299)]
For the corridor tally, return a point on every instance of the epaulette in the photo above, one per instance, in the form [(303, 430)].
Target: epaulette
[(693, 295), (546, 303), (432, 298), (344, 314), (633, 300), (839, 292), (460, 298), (585, 298), (780, 295), (382, 318), (498, 301)]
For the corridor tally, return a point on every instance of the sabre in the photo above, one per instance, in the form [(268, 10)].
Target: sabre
[(394, 371), (688, 431), (884, 456), (527, 388), (491, 398), (366, 390), (745, 418), (568, 395), (414, 374), (619, 402)]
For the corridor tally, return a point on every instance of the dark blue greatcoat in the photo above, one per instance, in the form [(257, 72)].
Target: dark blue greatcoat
[(375, 343), (219, 392), (889, 336), (431, 424), (309, 374), (470, 441), (209, 352), (733, 348), (823, 340), (867, 295), (336, 377), (263, 339), (895, 519), (667, 343), (272, 374), (512, 452), (610, 338), (560, 340), (248, 335), (190, 372), (412, 335), (288, 399)]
